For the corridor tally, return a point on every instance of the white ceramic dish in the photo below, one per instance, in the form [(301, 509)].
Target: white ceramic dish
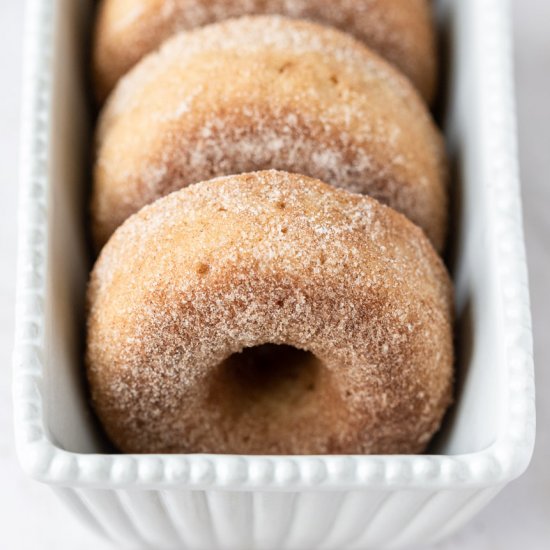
[(215, 501)]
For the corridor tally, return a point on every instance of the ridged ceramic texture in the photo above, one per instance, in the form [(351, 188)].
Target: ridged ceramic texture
[(215, 501), (274, 520)]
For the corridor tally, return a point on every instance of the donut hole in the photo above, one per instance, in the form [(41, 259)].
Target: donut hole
[(266, 379)]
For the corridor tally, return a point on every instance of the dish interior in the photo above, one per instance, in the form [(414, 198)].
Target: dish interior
[(472, 424)]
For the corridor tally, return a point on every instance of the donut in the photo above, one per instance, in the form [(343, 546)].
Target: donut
[(401, 31), (269, 313), (261, 93)]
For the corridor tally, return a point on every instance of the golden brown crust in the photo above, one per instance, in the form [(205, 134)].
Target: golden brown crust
[(268, 92), (269, 258), (401, 31)]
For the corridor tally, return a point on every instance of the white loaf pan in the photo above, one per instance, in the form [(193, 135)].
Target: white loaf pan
[(241, 502)]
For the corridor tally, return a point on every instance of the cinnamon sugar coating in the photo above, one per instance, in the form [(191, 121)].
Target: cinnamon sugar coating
[(269, 258), (401, 31), (268, 92)]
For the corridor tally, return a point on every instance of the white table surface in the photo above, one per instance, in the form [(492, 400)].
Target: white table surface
[(31, 518)]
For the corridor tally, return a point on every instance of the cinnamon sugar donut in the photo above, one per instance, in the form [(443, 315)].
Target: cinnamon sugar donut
[(269, 313), (401, 31), (267, 92)]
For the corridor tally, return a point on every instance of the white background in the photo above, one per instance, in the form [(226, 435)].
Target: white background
[(31, 518)]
